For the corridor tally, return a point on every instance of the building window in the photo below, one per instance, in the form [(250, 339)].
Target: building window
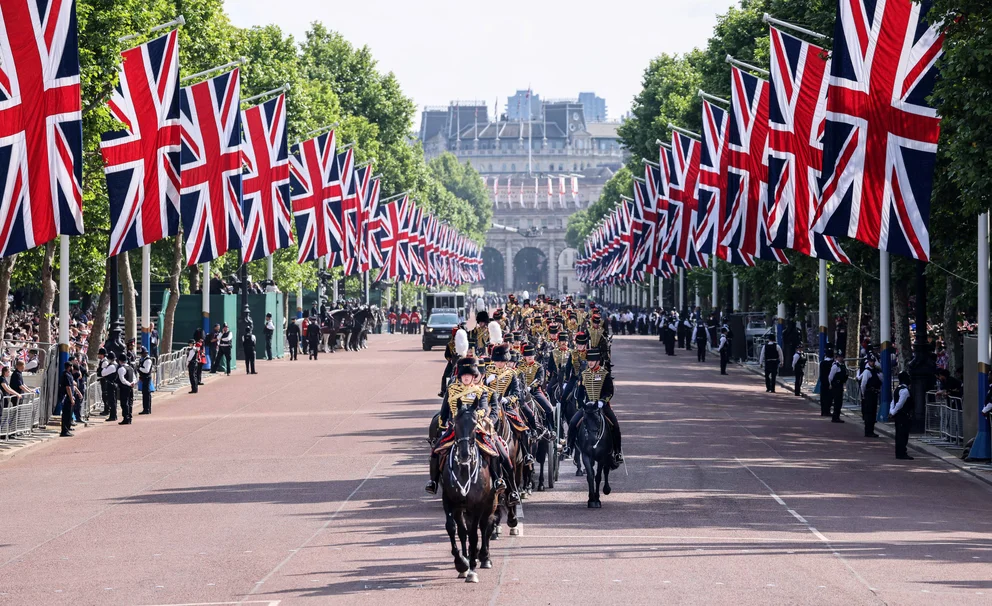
[(513, 168), (561, 167), (490, 167), (504, 167)]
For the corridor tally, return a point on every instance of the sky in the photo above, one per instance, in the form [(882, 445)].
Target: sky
[(446, 50)]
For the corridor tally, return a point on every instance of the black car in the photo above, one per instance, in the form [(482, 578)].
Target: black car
[(439, 326)]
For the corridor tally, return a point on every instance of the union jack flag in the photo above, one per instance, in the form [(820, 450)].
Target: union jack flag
[(711, 189), (646, 203), (747, 141), (682, 202), (880, 138), (310, 164), (41, 133), (354, 218), (372, 258), (210, 198), (141, 163), (393, 239), (656, 179), (342, 182), (265, 185), (797, 106)]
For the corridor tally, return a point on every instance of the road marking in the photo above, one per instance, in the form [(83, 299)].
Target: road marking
[(322, 528), (265, 602)]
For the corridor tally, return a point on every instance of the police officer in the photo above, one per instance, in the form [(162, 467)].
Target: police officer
[(901, 411), (293, 338), (672, 331), (838, 379), (269, 330), (313, 336), (225, 343), (799, 367), (724, 349), (67, 386), (145, 374), (701, 337), (826, 398), (101, 363), (871, 387), (125, 391), (248, 346), (108, 374), (771, 360), (192, 366)]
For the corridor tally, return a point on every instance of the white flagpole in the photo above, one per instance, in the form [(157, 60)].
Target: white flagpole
[(205, 290), (823, 308), (885, 321), (268, 267), (64, 300), (737, 294), (299, 300), (715, 302), (146, 297)]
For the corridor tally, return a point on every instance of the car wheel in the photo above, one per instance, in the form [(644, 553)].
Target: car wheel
[(427, 347)]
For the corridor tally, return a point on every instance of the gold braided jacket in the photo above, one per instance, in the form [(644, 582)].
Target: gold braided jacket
[(577, 358), (529, 372), (457, 392), (481, 335), (593, 381), (595, 336), (572, 325), (561, 358), (504, 377)]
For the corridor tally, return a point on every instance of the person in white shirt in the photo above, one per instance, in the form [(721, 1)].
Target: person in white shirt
[(770, 359), (724, 349), (145, 374), (799, 367), (901, 411), (125, 382)]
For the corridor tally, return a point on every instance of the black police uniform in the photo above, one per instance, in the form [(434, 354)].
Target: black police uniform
[(248, 345), (145, 374), (293, 338)]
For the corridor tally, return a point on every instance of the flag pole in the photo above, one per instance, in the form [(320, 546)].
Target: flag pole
[(785, 24), (981, 448), (282, 89), (180, 20), (206, 72), (146, 297), (63, 306), (823, 308), (299, 300), (205, 308), (730, 59), (885, 321)]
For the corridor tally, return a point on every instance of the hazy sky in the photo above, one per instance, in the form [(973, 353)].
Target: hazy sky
[(443, 50)]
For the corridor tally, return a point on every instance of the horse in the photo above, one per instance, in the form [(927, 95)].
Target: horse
[(360, 333), (468, 497), (509, 435), (595, 443)]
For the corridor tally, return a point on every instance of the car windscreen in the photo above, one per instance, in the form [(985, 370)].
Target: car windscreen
[(443, 320)]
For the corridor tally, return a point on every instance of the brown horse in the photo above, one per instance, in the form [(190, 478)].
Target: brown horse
[(511, 436)]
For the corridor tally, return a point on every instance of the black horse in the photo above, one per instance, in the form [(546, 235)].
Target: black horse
[(595, 443), (468, 498)]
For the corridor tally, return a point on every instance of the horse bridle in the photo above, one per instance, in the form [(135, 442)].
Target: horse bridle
[(472, 464)]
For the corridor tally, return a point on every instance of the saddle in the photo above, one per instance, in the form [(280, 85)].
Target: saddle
[(483, 440), (516, 421)]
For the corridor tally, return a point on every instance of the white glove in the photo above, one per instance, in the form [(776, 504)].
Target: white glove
[(599, 404), (892, 410), (490, 379), (987, 409)]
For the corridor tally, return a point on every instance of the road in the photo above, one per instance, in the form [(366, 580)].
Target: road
[(305, 484)]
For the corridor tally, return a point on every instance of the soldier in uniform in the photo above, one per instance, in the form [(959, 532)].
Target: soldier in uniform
[(871, 387), (145, 374), (533, 375), (576, 364), (901, 411), (248, 348), (598, 339), (481, 332), (467, 391), (596, 385), (771, 360)]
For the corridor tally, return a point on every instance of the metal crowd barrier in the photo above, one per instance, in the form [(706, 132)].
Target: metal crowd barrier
[(168, 371), (944, 420), (812, 376), (20, 419)]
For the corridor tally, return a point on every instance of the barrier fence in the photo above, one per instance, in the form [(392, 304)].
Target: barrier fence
[(19, 414), (168, 372), (944, 422)]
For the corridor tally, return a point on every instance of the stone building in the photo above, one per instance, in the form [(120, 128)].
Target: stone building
[(520, 160)]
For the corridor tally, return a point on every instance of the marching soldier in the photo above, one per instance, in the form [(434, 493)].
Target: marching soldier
[(576, 364), (145, 374), (838, 379), (771, 360), (799, 367), (901, 411), (533, 376), (871, 387), (248, 347), (596, 385)]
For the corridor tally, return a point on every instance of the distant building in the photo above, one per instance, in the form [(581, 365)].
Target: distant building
[(520, 159), (595, 107), (516, 106)]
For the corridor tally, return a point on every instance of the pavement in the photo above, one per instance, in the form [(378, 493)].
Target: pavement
[(304, 483)]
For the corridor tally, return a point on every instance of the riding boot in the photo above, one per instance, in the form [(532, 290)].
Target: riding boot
[(496, 471), (435, 475), (506, 471)]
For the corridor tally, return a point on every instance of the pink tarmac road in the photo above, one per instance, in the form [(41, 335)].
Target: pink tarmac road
[(305, 484)]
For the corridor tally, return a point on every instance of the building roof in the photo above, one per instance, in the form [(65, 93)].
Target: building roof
[(511, 130), (603, 130)]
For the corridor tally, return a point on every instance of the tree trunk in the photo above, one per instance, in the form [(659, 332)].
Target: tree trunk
[(952, 339), (6, 269), (900, 300), (854, 325), (194, 279), (168, 323), (97, 338), (127, 293), (47, 299)]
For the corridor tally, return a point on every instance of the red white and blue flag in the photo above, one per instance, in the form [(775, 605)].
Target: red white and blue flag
[(747, 171), (372, 258), (41, 133), (311, 163), (141, 163), (342, 182), (265, 183), (880, 138), (210, 200), (393, 239), (355, 219), (682, 202), (797, 109)]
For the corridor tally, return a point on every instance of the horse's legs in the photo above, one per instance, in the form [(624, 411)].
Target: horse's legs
[(606, 479), (462, 533), (542, 456), (473, 547), (461, 564), (599, 478), (587, 463), (497, 518), (487, 529)]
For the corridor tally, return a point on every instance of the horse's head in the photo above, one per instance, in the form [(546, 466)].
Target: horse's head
[(465, 424)]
